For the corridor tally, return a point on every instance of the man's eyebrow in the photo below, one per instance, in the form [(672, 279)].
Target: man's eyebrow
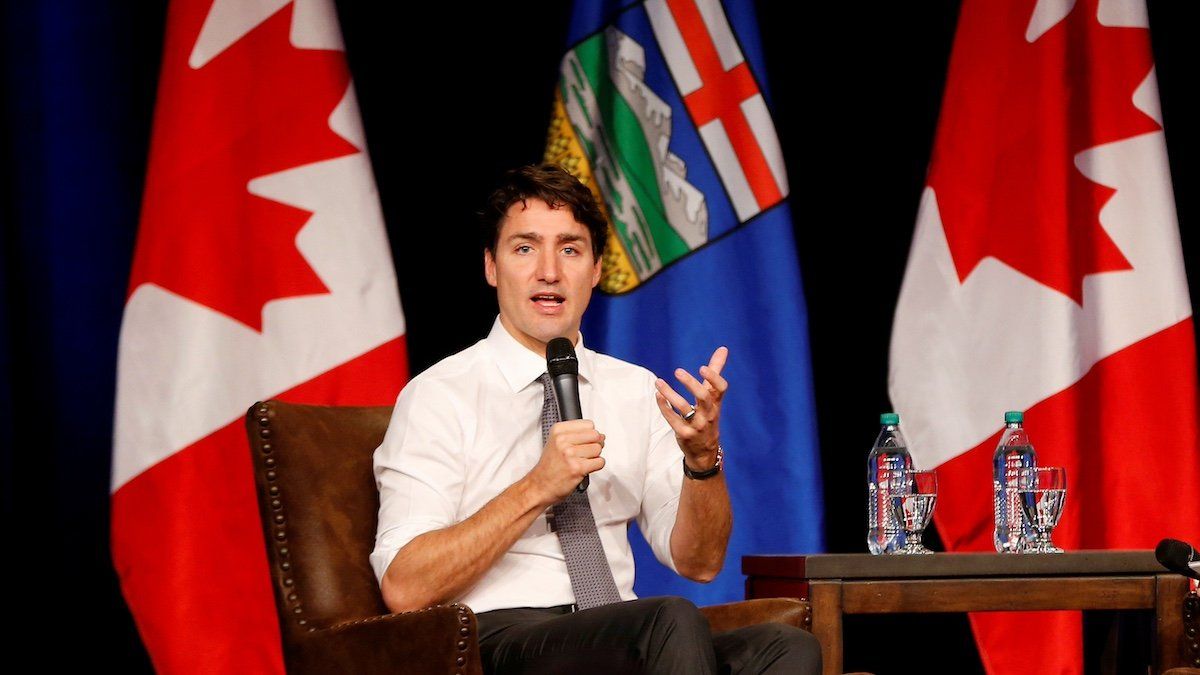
[(567, 237), (524, 236)]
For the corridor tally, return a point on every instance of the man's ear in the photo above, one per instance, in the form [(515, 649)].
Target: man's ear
[(596, 272), (489, 267)]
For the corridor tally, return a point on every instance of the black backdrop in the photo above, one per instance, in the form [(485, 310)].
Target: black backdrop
[(450, 97)]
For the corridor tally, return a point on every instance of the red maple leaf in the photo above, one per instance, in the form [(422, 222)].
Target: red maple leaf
[(259, 107), (1014, 116)]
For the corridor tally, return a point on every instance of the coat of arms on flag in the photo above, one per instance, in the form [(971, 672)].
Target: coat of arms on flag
[(614, 127)]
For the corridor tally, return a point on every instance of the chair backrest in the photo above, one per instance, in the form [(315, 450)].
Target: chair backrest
[(319, 506)]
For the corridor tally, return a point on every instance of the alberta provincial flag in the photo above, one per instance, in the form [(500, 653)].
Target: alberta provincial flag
[(662, 110), (1046, 275), (261, 270)]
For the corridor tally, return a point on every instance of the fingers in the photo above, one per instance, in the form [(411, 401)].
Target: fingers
[(704, 395), (719, 357), (681, 428), (572, 451), (573, 425), (671, 395), (587, 450), (591, 465), (578, 437), (575, 432), (707, 393), (582, 460), (713, 379)]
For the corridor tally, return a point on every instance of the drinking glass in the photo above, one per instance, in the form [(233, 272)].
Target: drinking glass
[(1042, 490), (912, 502)]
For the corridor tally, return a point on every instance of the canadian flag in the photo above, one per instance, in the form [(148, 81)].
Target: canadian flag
[(262, 270), (1046, 275)]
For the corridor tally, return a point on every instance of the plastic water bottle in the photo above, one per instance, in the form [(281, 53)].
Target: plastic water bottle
[(889, 454), (1014, 453)]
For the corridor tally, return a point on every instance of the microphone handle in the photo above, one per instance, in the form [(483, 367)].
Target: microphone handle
[(566, 390)]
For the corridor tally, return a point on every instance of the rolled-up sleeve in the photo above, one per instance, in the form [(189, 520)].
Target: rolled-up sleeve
[(663, 482), (419, 469)]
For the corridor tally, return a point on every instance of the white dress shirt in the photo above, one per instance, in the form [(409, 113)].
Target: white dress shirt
[(467, 428)]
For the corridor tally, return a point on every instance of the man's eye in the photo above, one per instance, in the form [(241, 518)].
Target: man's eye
[(524, 248), (570, 250)]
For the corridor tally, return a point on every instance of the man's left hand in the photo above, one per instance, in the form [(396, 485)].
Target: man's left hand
[(697, 433)]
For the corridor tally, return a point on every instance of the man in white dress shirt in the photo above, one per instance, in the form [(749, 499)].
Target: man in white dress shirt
[(467, 484)]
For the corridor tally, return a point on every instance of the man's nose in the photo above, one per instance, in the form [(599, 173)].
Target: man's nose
[(548, 266)]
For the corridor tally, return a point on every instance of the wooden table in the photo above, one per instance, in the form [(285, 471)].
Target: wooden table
[(839, 584)]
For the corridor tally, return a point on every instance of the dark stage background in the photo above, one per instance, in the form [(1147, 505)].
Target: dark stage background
[(451, 96)]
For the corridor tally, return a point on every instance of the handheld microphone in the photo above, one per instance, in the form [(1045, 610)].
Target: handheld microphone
[(1179, 557), (563, 368)]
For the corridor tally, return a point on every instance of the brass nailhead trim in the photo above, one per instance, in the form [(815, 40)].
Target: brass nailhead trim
[(264, 432), (1191, 622)]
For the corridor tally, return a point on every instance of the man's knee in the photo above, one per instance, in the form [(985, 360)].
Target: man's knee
[(677, 625), (680, 614), (677, 639)]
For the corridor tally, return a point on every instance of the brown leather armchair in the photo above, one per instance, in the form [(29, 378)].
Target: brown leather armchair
[(318, 503)]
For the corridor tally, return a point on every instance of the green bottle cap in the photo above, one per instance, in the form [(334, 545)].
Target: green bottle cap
[(1014, 416), (889, 418)]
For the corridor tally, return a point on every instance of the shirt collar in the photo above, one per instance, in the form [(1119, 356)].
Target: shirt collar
[(520, 365)]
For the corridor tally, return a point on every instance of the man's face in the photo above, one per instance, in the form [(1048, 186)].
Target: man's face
[(544, 271)]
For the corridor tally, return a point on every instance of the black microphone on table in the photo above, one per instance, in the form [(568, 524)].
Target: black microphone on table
[(1179, 557), (564, 373)]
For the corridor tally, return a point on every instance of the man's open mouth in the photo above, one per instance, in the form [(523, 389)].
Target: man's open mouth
[(548, 299)]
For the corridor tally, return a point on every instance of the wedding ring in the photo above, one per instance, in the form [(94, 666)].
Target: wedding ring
[(687, 417)]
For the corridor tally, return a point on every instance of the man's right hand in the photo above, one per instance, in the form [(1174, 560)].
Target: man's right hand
[(572, 451)]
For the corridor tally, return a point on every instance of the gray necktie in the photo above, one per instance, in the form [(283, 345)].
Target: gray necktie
[(591, 578)]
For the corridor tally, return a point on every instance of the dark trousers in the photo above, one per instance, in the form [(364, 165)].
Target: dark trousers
[(652, 635)]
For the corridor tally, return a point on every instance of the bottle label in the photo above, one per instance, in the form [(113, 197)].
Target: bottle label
[(1011, 530), (886, 531)]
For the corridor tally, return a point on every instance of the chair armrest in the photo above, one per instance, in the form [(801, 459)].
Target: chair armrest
[(441, 640), (791, 611)]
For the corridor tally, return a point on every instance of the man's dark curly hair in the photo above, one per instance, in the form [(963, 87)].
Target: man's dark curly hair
[(554, 186)]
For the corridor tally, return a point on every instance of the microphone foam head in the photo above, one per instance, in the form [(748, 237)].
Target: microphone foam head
[(560, 358), (1173, 554)]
